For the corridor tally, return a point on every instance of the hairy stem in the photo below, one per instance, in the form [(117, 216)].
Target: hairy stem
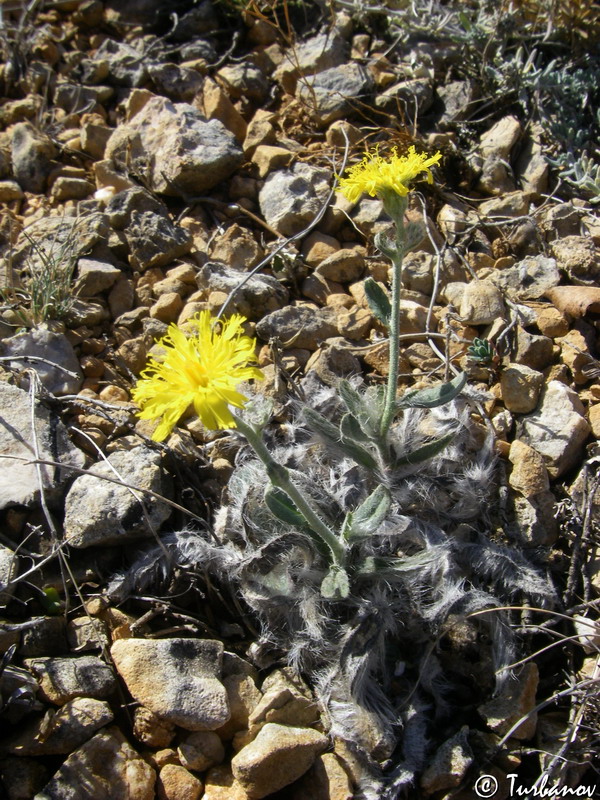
[(279, 477)]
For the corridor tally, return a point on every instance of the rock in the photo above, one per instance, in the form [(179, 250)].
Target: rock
[(187, 153), (575, 353), (551, 322), (19, 479), (344, 266), (200, 751), (594, 419), (176, 82), (269, 158), (277, 757), (176, 783), (238, 249), (221, 785), (576, 301), (259, 295), (559, 221), (70, 188), (94, 137), (84, 634), (64, 679), (100, 512), (496, 177), (533, 169), (449, 763), (533, 351), (111, 767), (243, 696), (529, 279), (500, 139), (325, 780), (34, 349), (9, 191), (9, 567), (579, 258), (298, 326), (215, 104), (127, 64), (481, 303), (94, 277), (515, 700), (331, 94), (32, 154), (354, 323), (521, 387), (320, 52), (453, 220), (62, 731), (244, 80), (152, 730), (177, 679), (529, 475), (557, 429), (414, 95), (290, 199), (155, 241), (535, 523), (133, 353), (513, 204), (456, 99), (46, 638), (317, 246), (167, 308)]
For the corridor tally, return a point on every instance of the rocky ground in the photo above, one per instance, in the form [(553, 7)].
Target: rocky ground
[(157, 162)]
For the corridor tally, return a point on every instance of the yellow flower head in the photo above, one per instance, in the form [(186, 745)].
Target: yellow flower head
[(202, 370), (375, 175)]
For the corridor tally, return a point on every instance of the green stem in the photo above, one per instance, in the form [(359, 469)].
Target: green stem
[(389, 408), (279, 476)]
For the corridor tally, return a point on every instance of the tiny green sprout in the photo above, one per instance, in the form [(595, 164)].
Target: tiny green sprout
[(482, 350)]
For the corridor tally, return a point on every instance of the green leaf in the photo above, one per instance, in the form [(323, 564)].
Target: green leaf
[(372, 565), (385, 245), (426, 451), (335, 585), (280, 505), (352, 399), (332, 434), (435, 396), (367, 518), (50, 600), (351, 429), (379, 302)]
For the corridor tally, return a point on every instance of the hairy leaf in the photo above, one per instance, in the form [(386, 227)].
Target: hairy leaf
[(280, 505), (436, 396), (379, 302), (332, 434), (367, 518), (425, 451), (335, 585)]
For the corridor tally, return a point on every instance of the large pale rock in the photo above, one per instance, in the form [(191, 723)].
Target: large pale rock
[(277, 757), (177, 679), (100, 512), (521, 387), (557, 429), (325, 780), (529, 279), (291, 198), (64, 679), (50, 354), (19, 480), (579, 257), (529, 475), (112, 769), (259, 295), (184, 152), (32, 154), (500, 139), (176, 783), (330, 94), (299, 326), (481, 303)]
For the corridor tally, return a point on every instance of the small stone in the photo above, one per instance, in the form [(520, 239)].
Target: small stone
[(238, 249), (496, 177), (481, 303), (551, 322), (534, 351), (513, 204), (535, 519), (260, 294), (32, 154), (449, 763), (176, 783), (154, 240), (579, 258), (500, 139), (344, 266), (201, 750), (515, 700), (290, 199), (529, 475), (269, 158), (318, 289), (9, 191), (528, 279), (317, 246), (574, 352), (64, 730), (99, 512), (320, 52), (243, 696), (9, 568), (557, 429), (354, 323), (112, 769), (67, 188), (177, 679), (85, 634), (594, 419), (521, 387), (330, 94), (298, 326), (64, 679), (45, 349), (94, 277), (325, 780), (134, 354), (220, 784), (150, 729), (167, 308), (277, 757), (216, 105)]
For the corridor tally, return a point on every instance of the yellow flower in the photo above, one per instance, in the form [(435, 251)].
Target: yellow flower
[(202, 370), (375, 175)]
